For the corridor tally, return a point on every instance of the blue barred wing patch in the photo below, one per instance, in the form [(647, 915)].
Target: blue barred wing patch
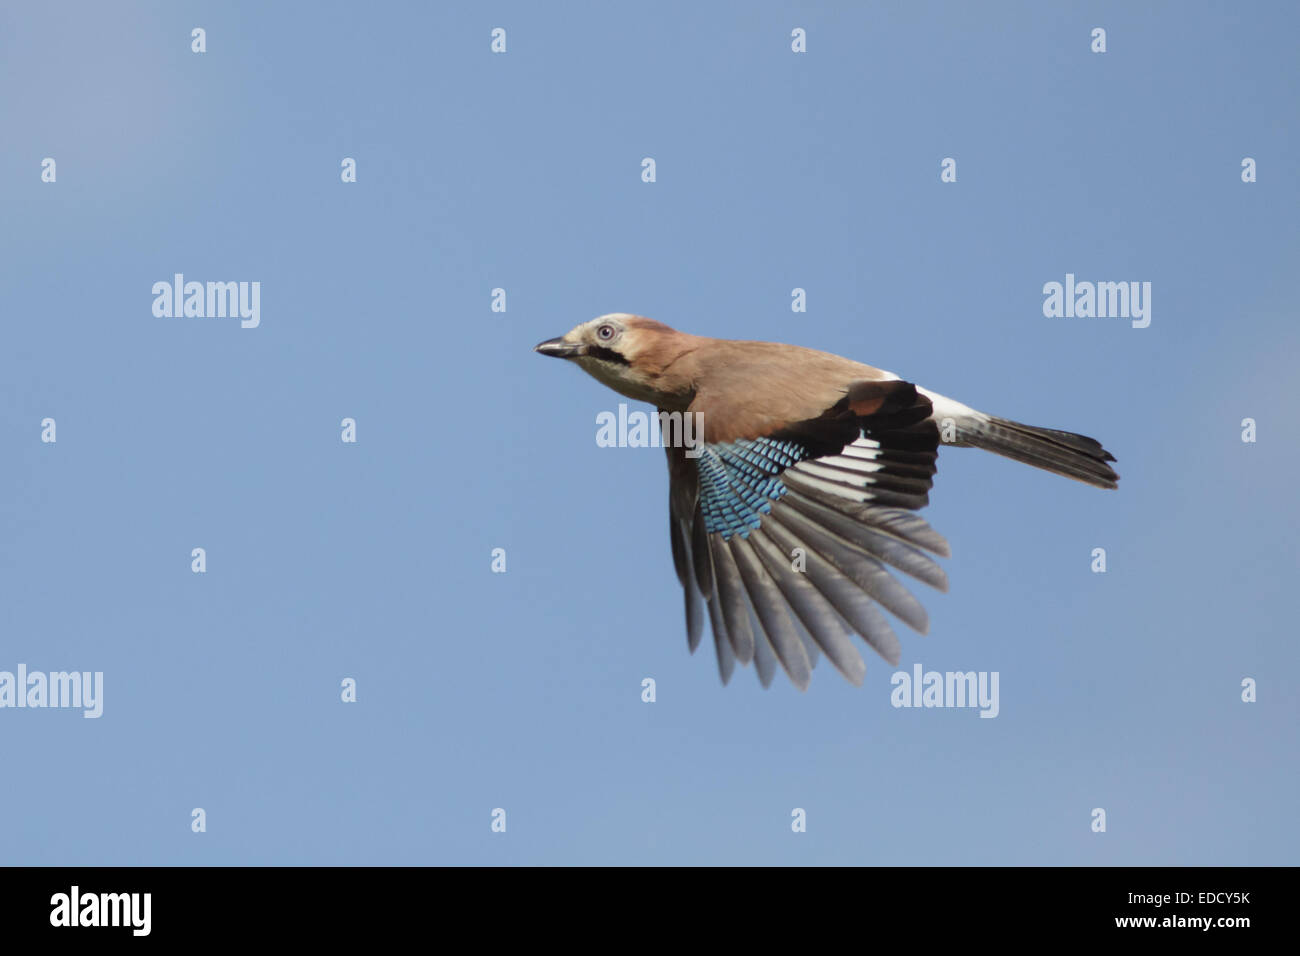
[(739, 480)]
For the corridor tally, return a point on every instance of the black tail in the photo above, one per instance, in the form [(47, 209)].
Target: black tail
[(1065, 453)]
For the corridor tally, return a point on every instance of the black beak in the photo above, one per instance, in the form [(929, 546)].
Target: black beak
[(560, 348)]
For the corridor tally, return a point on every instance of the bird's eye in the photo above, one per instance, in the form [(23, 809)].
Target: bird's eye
[(605, 332)]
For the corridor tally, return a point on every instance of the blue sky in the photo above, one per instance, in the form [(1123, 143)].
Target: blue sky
[(522, 171)]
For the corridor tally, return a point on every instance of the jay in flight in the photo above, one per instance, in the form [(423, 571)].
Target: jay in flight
[(799, 497)]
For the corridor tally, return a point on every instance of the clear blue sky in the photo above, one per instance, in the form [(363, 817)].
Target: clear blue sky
[(523, 171)]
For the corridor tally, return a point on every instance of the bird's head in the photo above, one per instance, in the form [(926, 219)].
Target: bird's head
[(629, 353)]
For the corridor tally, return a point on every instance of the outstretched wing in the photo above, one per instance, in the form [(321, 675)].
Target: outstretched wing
[(788, 538)]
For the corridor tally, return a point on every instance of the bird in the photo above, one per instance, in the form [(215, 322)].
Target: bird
[(792, 504)]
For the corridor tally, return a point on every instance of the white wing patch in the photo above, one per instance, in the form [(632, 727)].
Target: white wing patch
[(848, 474)]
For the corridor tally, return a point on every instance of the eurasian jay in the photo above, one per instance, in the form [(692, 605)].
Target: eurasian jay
[(801, 489)]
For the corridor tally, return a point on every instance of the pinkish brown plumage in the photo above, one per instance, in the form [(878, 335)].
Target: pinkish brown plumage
[(805, 456)]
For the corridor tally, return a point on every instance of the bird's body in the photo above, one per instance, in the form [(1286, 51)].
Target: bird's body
[(800, 495)]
